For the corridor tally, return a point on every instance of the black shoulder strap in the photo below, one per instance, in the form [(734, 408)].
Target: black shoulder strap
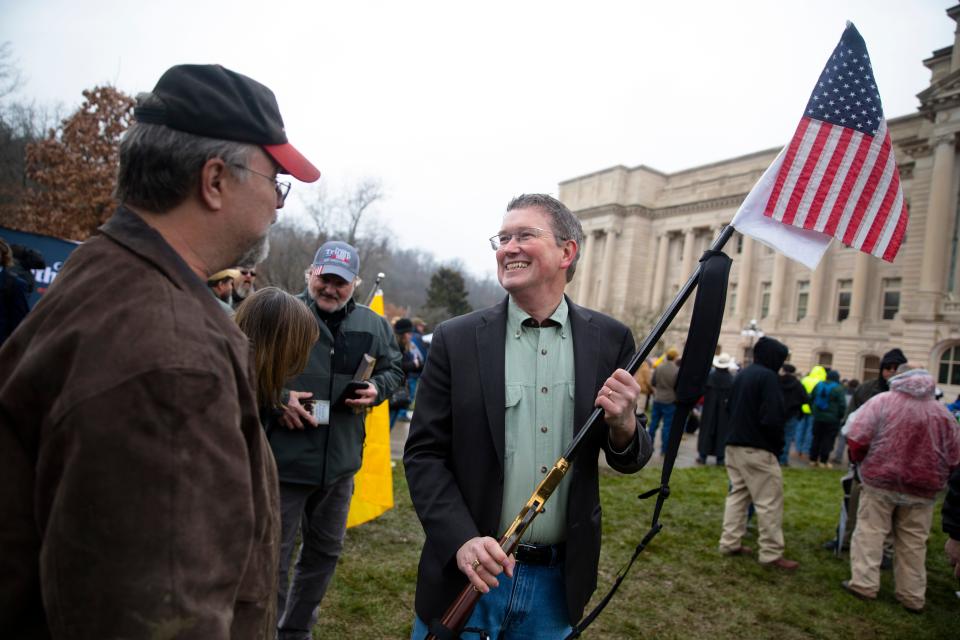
[(698, 354)]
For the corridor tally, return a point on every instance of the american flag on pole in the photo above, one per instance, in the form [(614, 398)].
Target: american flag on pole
[(838, 176)]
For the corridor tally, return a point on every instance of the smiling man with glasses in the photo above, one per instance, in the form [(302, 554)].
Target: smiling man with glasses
[(497, 404), (140, 495)]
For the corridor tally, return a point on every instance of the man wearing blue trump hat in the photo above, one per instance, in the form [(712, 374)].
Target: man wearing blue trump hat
[(318, 442)]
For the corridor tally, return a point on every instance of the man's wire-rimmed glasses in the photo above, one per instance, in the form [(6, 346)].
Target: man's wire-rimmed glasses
[(282, 188), (522, 236)]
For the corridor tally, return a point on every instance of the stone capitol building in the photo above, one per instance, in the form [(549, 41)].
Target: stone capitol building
[(847, 312)]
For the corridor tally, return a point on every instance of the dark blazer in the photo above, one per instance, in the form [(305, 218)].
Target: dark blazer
[(454, 453)]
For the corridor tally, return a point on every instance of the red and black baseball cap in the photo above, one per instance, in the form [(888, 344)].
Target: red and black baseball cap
[(212, 101)]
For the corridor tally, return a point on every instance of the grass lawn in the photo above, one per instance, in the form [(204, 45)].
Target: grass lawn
[(680, 587)]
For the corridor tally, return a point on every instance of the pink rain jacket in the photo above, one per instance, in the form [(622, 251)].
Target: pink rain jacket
[(904, 440)]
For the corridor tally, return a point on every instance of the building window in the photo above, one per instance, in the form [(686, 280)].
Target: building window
[(747, 356), (843, 299), (739, 243), (825, 359), (803, 298), (949, 372), (732, 298), (891, 297), (764, 299), (871, 368)]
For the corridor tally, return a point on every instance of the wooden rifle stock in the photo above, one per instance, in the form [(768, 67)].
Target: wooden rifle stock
[(456, 616)]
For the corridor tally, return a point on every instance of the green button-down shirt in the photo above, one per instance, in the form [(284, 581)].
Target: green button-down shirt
[(538, 417)]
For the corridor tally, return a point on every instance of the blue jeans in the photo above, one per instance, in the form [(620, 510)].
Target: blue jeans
[(531, 605), (804, 436), (661, 410), (789, 429)]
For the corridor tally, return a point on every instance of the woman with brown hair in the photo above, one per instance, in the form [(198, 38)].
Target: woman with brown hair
[(282, 331)]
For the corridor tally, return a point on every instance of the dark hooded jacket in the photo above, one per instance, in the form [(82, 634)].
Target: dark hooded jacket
[(951, 507), (756, 402), (794, 395), (871, 388)]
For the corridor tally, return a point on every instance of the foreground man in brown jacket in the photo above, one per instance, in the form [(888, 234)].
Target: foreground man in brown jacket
[(137, 490)]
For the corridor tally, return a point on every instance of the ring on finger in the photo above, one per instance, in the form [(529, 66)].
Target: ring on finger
[(475, 564)]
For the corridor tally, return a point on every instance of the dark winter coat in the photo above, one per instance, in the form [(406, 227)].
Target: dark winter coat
[(951, 507), (139, 496), (715, 420), (794, 395), (836, 403), (756, 402), (871, 388), (13, 302), (320, 456)]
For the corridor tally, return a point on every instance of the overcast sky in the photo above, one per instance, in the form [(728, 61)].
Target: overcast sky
[(459, 106)]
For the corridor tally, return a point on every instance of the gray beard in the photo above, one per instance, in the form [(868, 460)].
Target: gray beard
[(255, 254)]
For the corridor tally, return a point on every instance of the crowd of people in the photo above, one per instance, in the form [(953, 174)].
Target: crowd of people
[(178, 457), (900, 442)]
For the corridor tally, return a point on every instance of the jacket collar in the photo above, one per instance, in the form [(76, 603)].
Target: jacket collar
[(129, 230)]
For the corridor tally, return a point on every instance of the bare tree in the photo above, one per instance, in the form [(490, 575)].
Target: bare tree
[(292, 247), (367, 192), (344, 216), (10, 78)]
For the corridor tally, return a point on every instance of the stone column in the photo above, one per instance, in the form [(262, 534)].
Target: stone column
[(689, 240), (606, 270), (858, 298), (585, 268), (660, 274), (936, 240), (745, 290), (686, 264), (954, 13), (817, 285), (777, 285)]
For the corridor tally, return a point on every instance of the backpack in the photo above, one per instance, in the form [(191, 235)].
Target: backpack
[(821, 395)]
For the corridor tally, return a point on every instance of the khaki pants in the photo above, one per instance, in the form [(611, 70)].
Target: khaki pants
[(877, 517), (754, 477)]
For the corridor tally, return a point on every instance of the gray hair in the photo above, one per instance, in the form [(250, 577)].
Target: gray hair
[(160, 166), (564, 225)]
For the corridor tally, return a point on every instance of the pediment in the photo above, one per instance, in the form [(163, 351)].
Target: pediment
[(941, 95)]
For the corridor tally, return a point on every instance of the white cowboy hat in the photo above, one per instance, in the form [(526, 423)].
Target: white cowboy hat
[(722, 361)]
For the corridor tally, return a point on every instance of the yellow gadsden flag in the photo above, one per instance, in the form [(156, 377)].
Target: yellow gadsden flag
[(373, 484)]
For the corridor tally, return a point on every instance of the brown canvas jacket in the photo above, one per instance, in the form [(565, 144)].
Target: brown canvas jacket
[(137, 490)]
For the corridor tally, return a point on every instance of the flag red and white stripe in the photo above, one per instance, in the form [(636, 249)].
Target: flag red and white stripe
[(842, 183)]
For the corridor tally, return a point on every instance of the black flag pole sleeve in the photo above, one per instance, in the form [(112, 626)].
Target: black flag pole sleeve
[(698, 354)]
